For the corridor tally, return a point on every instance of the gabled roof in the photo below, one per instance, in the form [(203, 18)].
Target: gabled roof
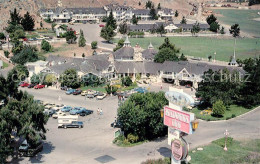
[(95, 10), (124, 52), (149, 54), (141, 12)]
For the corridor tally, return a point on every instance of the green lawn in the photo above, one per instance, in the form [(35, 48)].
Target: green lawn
[(243, 17), (238, 152), (5, 64), (205, 46), (100, 89), (233, 111)]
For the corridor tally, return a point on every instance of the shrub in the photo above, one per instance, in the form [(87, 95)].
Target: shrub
[(233, 116), (219, 108), (126, 142), (127, 81), (132, 138), (94, 45), (45, 46), (6, 54)]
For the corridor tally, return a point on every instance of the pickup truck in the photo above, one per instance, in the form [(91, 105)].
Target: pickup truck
[(73, 124)]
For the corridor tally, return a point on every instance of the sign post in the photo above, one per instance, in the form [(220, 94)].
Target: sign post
[(179, 122)]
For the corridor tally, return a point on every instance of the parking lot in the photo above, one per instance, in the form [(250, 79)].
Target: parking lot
[(91, 144)]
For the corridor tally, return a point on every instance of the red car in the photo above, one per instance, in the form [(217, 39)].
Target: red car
[(25, 85), (39, 86), (101, 25)]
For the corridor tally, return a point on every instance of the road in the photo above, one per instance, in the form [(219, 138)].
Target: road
[(95, 139), (92, 33)]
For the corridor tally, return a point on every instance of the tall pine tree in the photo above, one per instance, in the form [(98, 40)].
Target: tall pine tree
[(111, 21), (27, 22)]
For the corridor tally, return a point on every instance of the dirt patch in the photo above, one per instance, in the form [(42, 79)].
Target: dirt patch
[(68, 50)]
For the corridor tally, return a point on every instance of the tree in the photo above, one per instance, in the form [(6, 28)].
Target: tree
[(183, 57), (37, 78), (2, 35), (209, 57), (235, 30), (168, 44), (250, 90), (45, 46), (17, 47), (107, 33), (123, 28), (159, 6), (52, 26), (111, 21), (219, 108), (222, 31), (253, 2), (140, 115), (134, 19), (94, 45), (211, 19), (126, 81), (92, 80), (111, 89), (27, 22), (82, 40), (160, 30), (213, 84), (70, 36), (139, 3), (195, 29), (83, 55), (15, 18), (165, 54), (6, 54), (148, 4), (41, 24), (17, 74), (214, 27), (176, 13), (50, 79), (27, 54), (119, 45), (70, 78), (183, 21), (153, 14)]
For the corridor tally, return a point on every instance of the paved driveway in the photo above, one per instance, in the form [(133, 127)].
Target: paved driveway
[(93, 143), (92, 33)]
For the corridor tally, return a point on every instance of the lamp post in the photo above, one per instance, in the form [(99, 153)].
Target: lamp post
[(226, 134)]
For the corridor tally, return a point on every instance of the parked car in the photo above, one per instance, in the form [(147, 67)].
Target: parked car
[(84, 93), (101, 96), (56, 115), (25, 149), (77, 92), (75, 110), (101, 25), (31, 85), (140, 90), (85, 112), (20, 83), (24, 84), (70, 91), (50, 112), (66, 108), (73, 124), (116, 124), (39, 86), (64, 88)]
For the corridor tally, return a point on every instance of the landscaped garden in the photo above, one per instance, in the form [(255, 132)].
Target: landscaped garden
[(206, 46), (231, 112), (238, 152)]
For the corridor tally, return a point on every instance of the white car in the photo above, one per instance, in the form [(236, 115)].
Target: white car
[(56, 115), (101, 96)]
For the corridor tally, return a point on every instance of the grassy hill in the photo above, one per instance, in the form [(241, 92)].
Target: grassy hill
[(245, 18)]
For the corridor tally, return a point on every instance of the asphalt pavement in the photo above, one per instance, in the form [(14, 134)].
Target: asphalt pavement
[(93, 143)]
